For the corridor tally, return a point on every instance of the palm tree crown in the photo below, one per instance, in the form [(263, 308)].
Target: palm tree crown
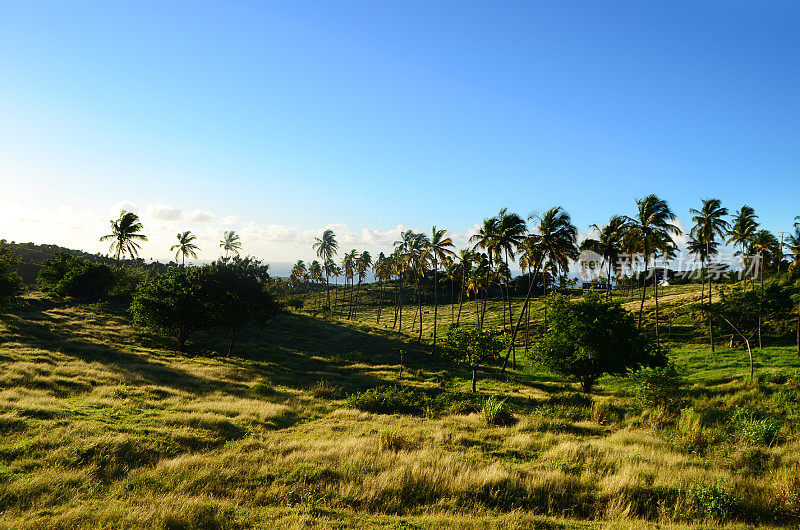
[(125, 232), (185, 247), (230, 243)]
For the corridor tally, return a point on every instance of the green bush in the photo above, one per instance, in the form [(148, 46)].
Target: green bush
[(711, 502), (295, 302), (66, 275), (388, 400), (658, 387), (591, 337)]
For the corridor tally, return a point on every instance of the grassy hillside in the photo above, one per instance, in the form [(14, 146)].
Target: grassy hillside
[(103, 425)]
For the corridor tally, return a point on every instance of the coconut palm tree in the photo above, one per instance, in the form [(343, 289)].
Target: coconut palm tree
[(651, 229), (768, 251), (326, 247), (555, 238), (465, 261), (125, 232), (709, 222), (230, 243), (511, 232), (439, 252), (315, 274), (185, 247), (793, 244), (382, 271), (486, 239), (741, 233), (703, 252), (349, 268), (299, 273), (608, 245), (363, 264)]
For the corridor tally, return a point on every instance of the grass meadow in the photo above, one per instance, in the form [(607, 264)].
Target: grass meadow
[(104, 425)]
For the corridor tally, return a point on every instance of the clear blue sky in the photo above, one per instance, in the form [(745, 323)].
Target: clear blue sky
[(279, 118)]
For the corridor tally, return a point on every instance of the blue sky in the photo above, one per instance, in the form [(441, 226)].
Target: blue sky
[(278, 119)]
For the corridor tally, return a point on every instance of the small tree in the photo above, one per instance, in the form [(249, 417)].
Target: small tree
[(66, 275), (10, 280), (472, 347), (235, 292), (172, 303), (591, 337)]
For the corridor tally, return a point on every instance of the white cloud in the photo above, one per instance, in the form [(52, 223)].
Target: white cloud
[(128, 206), (164, 212), (200, 216), (229, 220)]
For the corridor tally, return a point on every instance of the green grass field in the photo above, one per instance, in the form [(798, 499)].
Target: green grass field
[(106, 426)]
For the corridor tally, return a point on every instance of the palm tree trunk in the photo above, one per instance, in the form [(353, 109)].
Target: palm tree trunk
[(328, 288), (658, 337), (644, 291), (461, 293), (710, 321), (519, 321), (380, 299), (760, 300), (400, 300), (510, 317), (419, 306), (435, 306)]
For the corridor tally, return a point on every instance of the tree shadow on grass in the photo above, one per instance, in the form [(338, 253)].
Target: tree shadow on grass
[(42, 331)]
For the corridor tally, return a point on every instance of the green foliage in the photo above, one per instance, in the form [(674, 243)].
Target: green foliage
[(226, 294), (472, 347), (712, 502), (10, 280), (388, 400), (67, 275), (659, 386), (755, 427), (295, 302), (591, 337)]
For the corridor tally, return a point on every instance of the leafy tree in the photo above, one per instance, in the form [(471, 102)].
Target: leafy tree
[(235, 292), (230, 243), (185, 247), (742, 311), (66, 275), (472, 347), (124, 236), (173, 303), (326, 247), (591, 337), (10, 280)]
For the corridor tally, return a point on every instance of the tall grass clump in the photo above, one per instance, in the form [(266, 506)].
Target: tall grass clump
[(756, 428), (496, 411)]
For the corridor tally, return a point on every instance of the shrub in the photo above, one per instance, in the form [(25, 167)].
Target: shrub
[(10, 280), (592, 337), (388, 400), (713, 502), (264, 388), (67, 275), (659, 386), (295, 302), (495, 411)]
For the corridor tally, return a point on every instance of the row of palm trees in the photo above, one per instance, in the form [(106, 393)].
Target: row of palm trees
[(126, 236), (546, 249)]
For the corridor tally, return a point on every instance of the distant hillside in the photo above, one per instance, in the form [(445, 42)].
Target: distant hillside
[(32, 256)]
